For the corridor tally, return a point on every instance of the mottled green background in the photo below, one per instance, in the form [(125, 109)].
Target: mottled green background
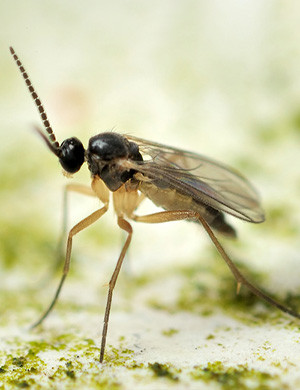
[(219, 78)]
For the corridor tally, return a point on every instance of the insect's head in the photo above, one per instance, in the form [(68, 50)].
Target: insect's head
[(71, 152), (71, 155)]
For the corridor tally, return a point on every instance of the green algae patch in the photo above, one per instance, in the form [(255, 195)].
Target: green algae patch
[(21, 369), (164, 371), (170, 332), (118, 356), (240, 377), (38, 364)]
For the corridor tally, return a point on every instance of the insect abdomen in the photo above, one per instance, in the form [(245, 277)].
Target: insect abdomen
[(171, 199)]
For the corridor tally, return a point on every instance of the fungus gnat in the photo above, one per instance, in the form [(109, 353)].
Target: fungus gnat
[(185, 184)]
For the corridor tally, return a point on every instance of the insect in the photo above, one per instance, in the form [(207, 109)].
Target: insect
[(188, 186)]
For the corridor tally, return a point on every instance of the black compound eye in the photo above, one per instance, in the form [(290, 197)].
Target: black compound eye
[(71, 155)]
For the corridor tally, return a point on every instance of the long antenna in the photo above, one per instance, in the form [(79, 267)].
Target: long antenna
[(53, 144)]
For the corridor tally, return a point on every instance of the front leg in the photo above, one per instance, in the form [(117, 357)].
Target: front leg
[(98, 189), (83, 224), (71, 187)]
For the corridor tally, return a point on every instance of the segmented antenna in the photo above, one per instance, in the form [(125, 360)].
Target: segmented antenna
[(53, 144)]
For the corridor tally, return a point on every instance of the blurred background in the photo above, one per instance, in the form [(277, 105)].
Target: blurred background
[(218, 78)]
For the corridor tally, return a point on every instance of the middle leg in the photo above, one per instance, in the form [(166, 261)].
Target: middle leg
[(127, 227)]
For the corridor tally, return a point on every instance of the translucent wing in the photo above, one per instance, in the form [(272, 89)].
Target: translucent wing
[(206, 181)]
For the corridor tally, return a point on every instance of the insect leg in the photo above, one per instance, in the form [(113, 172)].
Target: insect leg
[(76, 229), (81, 189), (127, 227), (177, 215)]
